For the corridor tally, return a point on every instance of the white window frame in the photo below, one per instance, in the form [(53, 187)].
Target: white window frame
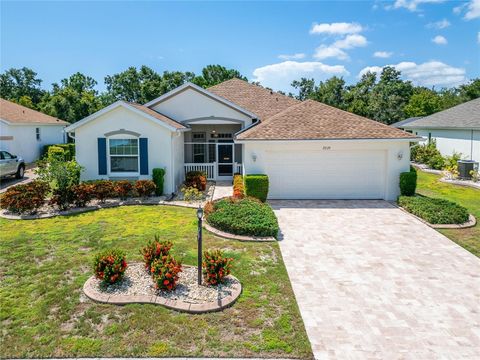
[(109, 156)]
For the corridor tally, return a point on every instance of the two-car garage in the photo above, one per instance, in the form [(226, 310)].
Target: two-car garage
[(326, 174)]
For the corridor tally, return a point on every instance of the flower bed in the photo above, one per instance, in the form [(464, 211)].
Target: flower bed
[(434, 211), (246, 216)]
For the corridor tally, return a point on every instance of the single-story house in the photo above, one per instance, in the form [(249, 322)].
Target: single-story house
[(309, 150), (455, 130), (24, 132)]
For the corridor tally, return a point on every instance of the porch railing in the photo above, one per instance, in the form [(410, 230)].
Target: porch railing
[(209, 168)]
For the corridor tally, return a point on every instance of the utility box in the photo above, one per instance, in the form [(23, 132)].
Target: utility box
[(464, 168)]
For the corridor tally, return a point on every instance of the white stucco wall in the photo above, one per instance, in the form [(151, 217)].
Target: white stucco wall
[(177, 159), (190, 104), (25, 144), (466, 142), (386, 150), (160, 144)]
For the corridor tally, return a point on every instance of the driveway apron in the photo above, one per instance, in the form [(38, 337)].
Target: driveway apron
[(371, 281)]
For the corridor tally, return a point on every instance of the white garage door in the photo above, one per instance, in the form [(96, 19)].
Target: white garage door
[(326, 174)]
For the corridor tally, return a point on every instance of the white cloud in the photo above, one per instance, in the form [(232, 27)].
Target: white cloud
[(431, 73), (473, 10), (442, 24), (412, 5), (382, 54), (351, 41), (296, 56), (324, 52), (440, 40), (336, 50), (341, 28), (279, 76)]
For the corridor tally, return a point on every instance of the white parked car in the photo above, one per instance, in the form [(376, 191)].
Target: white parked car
[(11, 165)]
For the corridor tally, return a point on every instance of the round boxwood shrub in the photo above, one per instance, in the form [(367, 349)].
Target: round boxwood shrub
[(256, 185), (109, 266), (247, 216), (408, 182)]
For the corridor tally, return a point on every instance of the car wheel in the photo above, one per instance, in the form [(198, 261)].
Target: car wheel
[(20, 172)]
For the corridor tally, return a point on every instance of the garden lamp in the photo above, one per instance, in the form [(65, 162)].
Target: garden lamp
[(199, 241)]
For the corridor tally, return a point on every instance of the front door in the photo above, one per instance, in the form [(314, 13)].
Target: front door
[(225, 161)]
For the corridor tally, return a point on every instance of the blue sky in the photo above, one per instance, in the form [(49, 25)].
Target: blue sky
[(434, 42)]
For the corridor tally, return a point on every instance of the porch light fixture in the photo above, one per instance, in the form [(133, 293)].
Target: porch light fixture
[(254, 157), (400, 155)]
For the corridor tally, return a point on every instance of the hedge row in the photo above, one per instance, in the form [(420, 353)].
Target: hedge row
[(435, 211), (256, 185), (68, 151)]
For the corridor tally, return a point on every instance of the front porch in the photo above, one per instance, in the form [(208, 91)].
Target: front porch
[(210, 148)]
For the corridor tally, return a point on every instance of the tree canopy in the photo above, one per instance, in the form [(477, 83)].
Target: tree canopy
[(384, 97)]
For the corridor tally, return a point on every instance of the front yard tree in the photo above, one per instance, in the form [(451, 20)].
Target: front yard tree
[(424, 102)]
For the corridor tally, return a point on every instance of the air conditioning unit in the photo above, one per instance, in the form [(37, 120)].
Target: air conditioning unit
[(464, 168)]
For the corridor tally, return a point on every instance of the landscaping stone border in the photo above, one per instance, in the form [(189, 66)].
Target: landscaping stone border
[(468, 183), (92, 293), (227, 235), (107, 205), (472, 221)]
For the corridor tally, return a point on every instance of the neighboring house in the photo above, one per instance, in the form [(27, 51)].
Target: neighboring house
[(24, 131), (309, 150), (455, 130)]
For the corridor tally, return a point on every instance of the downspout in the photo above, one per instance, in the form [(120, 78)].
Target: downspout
[(471, 145)]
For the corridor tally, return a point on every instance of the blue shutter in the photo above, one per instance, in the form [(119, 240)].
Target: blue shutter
[(102, 156), (143, 156)]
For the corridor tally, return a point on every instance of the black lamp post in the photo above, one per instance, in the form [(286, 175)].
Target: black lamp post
[(199, 241)]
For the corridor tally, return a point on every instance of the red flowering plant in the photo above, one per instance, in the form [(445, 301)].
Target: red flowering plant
[(104, 189), (109, 266), (216, 266), (145, 188), (155, 250), (165, 272), (83, 193), (123, 189)]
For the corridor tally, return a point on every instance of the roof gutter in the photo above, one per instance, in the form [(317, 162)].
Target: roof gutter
[(413, 139)]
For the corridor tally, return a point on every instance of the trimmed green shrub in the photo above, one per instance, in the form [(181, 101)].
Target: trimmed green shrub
[(435, 211), (158, 177), (436, 162), (56, 152), (69, 150), (247, 216), (408, 182), (256, 185)]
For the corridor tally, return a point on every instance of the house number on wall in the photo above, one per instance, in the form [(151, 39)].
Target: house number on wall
[(327, 147)]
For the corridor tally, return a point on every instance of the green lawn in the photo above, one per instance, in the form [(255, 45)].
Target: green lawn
[(429, 185), (43, 313)]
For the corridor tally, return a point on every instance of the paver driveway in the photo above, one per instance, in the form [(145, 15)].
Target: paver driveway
[(373, 282)]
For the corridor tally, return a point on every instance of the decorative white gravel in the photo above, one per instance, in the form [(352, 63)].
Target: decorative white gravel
[(137, 281)]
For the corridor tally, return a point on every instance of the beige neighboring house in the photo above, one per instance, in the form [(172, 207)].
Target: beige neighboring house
[(308, 149), (23, 131)]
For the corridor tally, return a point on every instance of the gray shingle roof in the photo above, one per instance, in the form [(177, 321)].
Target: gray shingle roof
[(464, 116), (400, 124)]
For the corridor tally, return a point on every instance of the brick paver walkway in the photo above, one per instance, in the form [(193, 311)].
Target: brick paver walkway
[(373, 282), (222, 189)]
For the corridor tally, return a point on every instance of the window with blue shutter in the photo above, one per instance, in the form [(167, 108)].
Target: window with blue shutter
[(102, 156), (143, 156)]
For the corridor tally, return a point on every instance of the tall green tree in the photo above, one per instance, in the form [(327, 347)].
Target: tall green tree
[(331, 92), (358, 96), (423, 102), (21, 86), (389, 96), (305, 87), (215, 74), (470, 91), (73, 99)]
